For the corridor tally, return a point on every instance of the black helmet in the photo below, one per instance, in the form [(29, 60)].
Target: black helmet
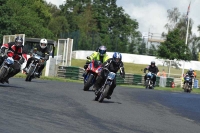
[(153, 63), (102, 50), (18, 41)]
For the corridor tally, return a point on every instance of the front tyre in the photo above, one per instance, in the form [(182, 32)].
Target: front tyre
[(3, 72), (104, 93), (147, 84), (88, 84), (29, 75)]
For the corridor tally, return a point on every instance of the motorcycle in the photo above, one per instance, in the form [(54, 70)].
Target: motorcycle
[(92, 72), (149, 81), (32, 71), (6, 68), (187, 85), (103, 91)]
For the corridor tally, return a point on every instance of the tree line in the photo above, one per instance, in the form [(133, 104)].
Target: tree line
[(92, 23)]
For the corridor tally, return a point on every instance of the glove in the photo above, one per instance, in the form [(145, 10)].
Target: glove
[(85, 66), (88, 57)]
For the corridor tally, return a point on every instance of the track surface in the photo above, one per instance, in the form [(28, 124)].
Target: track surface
[(43, 106)]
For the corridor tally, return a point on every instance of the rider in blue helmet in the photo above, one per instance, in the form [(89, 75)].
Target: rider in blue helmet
[(113, 65)]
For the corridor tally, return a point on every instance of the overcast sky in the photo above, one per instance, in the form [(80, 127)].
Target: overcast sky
[(152, 14)]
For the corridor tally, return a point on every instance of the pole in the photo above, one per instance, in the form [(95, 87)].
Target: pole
[(186, 40)]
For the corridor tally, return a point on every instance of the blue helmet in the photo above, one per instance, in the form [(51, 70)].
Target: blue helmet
[(117, 57)]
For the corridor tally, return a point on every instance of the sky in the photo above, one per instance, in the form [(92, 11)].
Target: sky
[(152, 14)]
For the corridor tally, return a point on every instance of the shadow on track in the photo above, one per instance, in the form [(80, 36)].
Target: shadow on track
[(10, 86), (106, 101), (34, 81)]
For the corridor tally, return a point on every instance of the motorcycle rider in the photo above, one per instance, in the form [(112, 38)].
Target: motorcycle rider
[(14, 50), (113, 65), (189, 73), (153, 69), (45, 53), (99, 55)]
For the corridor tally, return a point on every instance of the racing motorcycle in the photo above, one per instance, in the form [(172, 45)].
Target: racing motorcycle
[(149, 81), (32, 71), (92, 72), (6, 68), (187, 84), (103, 91)]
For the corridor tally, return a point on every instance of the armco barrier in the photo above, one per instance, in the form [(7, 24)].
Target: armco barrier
[(132, 79), (69, 72)]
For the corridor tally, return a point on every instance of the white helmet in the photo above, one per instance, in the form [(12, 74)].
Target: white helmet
[(42, 42)]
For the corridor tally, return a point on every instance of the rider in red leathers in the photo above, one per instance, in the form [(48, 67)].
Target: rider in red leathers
[(14, 50)]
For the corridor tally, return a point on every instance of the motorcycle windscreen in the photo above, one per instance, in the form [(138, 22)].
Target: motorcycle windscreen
[(37, 57), (9, 60), (111, 75), (187, 78), (149, 75), (97, 63)]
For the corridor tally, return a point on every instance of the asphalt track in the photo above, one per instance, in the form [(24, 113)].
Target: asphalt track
[(43, 106)]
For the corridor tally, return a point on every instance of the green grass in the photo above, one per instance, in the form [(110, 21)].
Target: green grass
[(138, 68), (196, 91), (21, 75), (129, 68)]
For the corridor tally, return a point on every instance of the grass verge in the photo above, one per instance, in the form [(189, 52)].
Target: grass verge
[(138, 68), (196, 91)]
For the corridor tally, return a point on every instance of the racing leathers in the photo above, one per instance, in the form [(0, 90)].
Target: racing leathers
[(153, 70), (112, 67), (191, 75), (44, 53), (11, 50)]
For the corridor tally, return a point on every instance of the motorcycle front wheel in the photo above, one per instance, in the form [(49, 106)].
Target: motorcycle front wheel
[(30, 74), (104, 93), (3, 72), (88, 84)]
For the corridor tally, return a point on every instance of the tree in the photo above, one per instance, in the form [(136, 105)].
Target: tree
[(5, 21), (174, 47), (109, 22), (152, 50), (58, 25), (142, 48), (25, 19), (173, 17)]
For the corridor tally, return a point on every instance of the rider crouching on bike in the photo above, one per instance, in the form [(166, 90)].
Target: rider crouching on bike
[(153, 69), (99, 55), (45, 53), (113, 65), (189, 73), (14, 50)]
